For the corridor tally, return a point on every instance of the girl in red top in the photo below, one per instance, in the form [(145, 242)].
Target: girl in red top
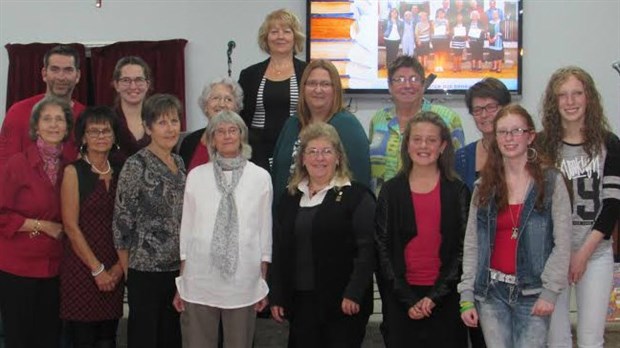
[(30, 230), (421, 218)]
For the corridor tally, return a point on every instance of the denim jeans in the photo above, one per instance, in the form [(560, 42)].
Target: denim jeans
[(506, 319), (592, 291)]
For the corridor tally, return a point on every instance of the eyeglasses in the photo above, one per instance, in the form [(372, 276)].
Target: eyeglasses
[(489, 108), (230, 131), (323, 84), (126, 81), (220, 98), (401, 80), (95, 133), (314, 152), (517, 132)]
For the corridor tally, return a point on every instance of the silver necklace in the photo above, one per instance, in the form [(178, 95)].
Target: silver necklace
[(515, 226), (95, 168)]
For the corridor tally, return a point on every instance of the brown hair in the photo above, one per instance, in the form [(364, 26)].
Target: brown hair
[(493, 177), (595, 126), (445, 162), (302, 108)]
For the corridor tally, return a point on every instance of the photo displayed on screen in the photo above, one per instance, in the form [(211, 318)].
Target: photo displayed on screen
[(460, 42)]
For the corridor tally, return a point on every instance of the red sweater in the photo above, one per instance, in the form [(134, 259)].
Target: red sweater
[(26, 192), (14, 136)]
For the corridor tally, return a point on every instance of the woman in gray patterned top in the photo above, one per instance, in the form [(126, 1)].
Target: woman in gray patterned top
[(147, 215)]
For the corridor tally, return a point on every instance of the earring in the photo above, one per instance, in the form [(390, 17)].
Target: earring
[(83, 148), (117, 147), (532, 154)]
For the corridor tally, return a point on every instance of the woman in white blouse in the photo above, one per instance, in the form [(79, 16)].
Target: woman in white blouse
[(225, 240)]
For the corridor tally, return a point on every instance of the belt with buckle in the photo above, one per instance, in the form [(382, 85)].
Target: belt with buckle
[(503, 277)]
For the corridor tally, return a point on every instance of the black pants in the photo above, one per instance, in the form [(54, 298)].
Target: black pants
[(98, 334), (30, 308), (391, 51), (443, 328), (308, 328), (153, 322)]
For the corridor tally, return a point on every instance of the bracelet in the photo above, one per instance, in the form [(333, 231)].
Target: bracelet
[(466, 305), (36, 230), (99, 270)]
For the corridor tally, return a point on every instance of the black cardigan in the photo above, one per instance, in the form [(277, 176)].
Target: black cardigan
[(343, 258), (250, 79), (396, 226)]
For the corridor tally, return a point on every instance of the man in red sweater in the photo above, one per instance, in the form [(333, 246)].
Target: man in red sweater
[(61, 72)]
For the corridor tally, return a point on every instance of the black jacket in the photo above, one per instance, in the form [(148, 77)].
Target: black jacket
[(189, 144), (250, 79), (343, 256), (396, 226)]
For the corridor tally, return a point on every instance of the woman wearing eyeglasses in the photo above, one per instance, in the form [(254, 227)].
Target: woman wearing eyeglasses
[(420, 225), (517, 244), (484, 100), (323, 253), (220, 94), (132, 79), (91, 276), (320, 100), (406, 85)]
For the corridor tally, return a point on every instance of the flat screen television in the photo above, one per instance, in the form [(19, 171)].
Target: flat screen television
[(460, 42)]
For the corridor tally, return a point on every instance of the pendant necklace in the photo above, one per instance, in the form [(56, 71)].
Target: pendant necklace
[(104, 172), (515, 226)]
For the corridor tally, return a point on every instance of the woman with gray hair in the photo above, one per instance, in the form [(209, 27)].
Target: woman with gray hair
[(31, 229), (225, 245), (223, 93)]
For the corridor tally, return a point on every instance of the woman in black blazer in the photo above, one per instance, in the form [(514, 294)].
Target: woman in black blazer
[(221, 94), (323, 251), (420, 225), (271, 87)]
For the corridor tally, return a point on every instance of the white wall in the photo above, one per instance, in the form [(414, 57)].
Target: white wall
[(556, 33)]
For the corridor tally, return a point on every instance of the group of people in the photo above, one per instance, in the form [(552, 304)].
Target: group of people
[(453, 31), (272, 207)]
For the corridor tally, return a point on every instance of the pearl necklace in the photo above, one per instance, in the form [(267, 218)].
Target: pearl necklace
[(95, 168)]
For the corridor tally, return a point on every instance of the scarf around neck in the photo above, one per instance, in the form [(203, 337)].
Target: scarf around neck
[(50, 154), (225, 241)]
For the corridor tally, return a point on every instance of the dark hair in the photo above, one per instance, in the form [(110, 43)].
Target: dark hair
[(405, 62), (38, 108), (95, 115), (493, 176), (157, 105), (132, 60), (445, 162), (489, 87), (63, 50)]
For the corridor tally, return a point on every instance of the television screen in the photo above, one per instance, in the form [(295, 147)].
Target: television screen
[(460, 42)]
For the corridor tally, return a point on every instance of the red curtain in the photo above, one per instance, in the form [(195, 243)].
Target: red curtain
[(166, 59), (24, 76)]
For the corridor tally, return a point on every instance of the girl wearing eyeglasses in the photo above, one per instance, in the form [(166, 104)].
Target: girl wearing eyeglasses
[(132, 79), (320, 100), (517, 244), (323, 252), (579, 141), (420, 225)]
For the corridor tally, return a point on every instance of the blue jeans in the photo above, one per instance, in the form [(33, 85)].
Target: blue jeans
[(506, 319)]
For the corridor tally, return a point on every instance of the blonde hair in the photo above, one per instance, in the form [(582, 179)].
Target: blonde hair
[(287, 18), (320, 130)]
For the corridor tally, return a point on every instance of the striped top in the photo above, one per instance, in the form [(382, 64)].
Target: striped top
[(258, 121)]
